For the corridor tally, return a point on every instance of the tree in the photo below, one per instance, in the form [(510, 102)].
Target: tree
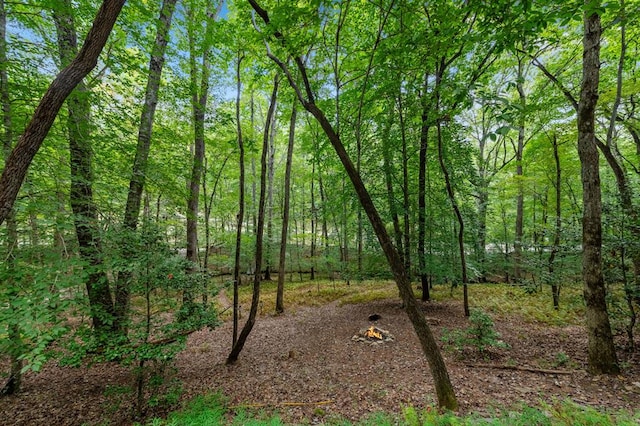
[(81, 195), (601, 352), (240, 215), (257, 277), (138, 174), (444, 389), (12, 384), (29, 143), (285, 212)]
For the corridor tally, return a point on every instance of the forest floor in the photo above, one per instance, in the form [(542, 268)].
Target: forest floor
[(305, 365)]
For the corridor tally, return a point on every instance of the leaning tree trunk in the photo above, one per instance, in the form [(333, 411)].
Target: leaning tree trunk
[(444, 389), (285, 214), (255, 298), (139, 172), (43, 117), (601, 353), (81, 196)]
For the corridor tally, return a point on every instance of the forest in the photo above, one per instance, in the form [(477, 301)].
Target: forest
[(186, 183)]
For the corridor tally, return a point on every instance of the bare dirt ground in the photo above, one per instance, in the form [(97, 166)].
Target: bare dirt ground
[(305, 365)]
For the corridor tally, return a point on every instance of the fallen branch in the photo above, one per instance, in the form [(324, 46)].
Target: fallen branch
[(515, 367), (281, 404)]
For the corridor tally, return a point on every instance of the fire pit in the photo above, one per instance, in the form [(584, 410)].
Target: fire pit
[(373, 335)]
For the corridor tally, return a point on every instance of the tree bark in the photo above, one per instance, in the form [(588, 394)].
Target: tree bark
[(199, 99), (422, 192), (517, 244), (601, 351), (285, 214), (138, 174), (81, 196), (387, 166), (43, 117), (240, 216), (257, 277), (270, 174), (450, 193), (555, 286), (12, 385)]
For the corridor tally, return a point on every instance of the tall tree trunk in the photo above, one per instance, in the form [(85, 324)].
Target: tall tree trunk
[(450, 193), (12, 385), (555, 286), (29, 143), (285, 214), (387, 166), (81, 196), (270, 174), (240, 217), (255, 298), (601, 354), (422, 192), (199, 98), (139, 172), (314, 222), (405, 190), (517, 244)]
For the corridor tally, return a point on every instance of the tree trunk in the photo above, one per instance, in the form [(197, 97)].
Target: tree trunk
[(387, 166), (79, 128), (43, 117), (555, 286), (255, 298), (601, 354), (450, 193), (240, 217), (517, 244), (422, 192), (405, 191), (12, 385), (444, 389), (199, 99), (314, 222), (270, 174), (138, 174), (285, 214)]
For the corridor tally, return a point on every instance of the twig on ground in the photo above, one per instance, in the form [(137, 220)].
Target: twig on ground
[(515, 367), (281, 404)]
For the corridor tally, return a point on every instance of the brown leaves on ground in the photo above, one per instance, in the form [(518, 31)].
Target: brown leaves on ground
[(307, 356)]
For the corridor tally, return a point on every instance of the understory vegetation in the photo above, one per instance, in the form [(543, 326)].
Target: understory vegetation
[(212, 410)]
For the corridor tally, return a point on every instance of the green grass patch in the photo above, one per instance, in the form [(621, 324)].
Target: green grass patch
[(507, 300), (213, 410), (503, 300)]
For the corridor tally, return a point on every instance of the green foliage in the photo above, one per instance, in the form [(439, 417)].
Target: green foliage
[(212, 409), (481, 335), (158, 323)]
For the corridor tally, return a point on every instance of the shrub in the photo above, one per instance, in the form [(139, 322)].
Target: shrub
[(481, 335)]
